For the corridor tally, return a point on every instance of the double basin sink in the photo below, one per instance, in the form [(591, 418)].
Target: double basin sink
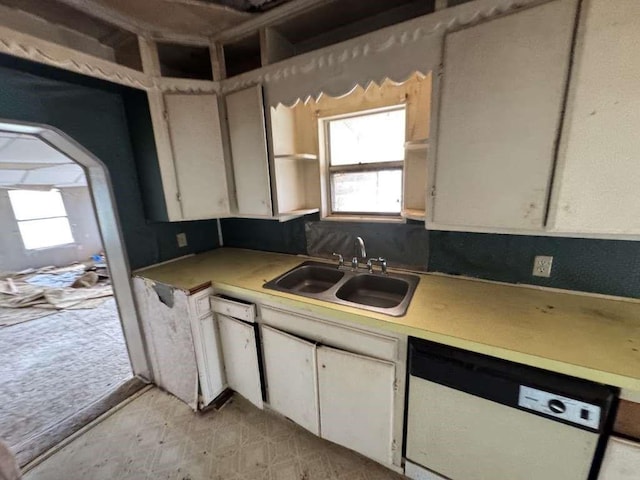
[(384, 293)]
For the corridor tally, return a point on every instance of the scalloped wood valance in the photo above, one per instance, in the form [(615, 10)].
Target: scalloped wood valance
[(394, 53)]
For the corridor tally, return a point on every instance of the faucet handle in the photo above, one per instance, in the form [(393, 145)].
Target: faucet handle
[(370, 264), (340, 259), (383, 264), (379, 260)]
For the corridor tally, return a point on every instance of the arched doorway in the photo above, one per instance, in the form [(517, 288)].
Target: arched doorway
[(104, 210)]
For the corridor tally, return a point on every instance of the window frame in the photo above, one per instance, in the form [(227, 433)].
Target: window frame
[(328, 170), (36, 219)]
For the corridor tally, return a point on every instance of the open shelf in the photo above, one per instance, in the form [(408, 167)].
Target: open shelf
[(414, 214), (417, 145), (297, 156), (286, 216)]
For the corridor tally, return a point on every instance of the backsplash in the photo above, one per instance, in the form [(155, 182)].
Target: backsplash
[(609, 267)]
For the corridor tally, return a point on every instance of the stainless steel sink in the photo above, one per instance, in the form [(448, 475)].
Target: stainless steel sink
[(310, 279), (384, 293)]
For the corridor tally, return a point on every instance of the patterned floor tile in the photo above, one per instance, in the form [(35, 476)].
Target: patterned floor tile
[(158, 437)]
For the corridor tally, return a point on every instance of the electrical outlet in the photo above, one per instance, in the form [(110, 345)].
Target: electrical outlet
[(182, 240), (542, 266)]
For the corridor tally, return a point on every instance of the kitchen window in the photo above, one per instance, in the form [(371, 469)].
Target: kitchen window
[(42, 218), (364, 161)]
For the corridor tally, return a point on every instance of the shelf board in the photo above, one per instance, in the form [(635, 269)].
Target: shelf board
[(417, 145), (414, 214), (286, 216), (297, 156)]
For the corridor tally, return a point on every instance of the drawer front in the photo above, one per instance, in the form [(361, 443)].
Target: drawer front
[(330, 333), (234, 308)]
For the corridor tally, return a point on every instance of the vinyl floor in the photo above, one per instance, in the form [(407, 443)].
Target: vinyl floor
[(157, 436)]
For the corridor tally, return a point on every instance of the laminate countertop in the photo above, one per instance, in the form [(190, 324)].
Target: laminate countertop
[(591, 337)]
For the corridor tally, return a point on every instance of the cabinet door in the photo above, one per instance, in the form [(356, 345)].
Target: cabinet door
[(356, 402), (501, 97), (206, 342), (621, 460), (291, 375), (598, 173), (240, 353), (248, 137), (196, 142)]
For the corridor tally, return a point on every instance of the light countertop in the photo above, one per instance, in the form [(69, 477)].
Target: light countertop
[(590, 337)]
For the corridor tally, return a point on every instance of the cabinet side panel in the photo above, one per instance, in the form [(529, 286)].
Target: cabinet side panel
[(164, 313), (502, 92)]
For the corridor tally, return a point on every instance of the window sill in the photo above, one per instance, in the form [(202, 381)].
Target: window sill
[(363, 218), (53, 247)]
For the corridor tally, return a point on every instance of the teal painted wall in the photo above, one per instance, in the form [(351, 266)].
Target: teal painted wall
[(599, 266), (94, 113)]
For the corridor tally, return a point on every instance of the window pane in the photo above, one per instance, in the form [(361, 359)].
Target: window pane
[(367, 192), (45, 233), (377, 137), (30, 204)]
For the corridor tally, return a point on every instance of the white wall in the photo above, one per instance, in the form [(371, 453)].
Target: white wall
[(14, 257)]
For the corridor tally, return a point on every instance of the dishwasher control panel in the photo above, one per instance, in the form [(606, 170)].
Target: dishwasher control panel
[(568, 409)]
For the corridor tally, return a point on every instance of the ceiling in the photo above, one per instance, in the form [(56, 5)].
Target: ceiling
[(28, 161)]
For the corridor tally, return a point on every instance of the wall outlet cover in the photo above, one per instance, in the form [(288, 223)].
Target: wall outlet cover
[(542, 266), (182, 240)]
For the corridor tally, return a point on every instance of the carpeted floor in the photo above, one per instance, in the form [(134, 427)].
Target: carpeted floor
[(53, 366), (157, 436)]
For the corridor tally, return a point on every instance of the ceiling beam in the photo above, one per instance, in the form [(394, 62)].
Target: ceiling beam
[(268, 18), (134, 25)]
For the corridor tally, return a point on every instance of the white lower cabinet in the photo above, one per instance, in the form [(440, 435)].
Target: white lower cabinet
[(239, 349), (346, 398), (621, 460), (291, 375), (357, 402)]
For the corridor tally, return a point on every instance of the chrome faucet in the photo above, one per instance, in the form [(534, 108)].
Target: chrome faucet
[(358, 245)]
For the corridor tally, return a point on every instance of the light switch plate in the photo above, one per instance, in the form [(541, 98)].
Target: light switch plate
[(182, 240), (542, 266)]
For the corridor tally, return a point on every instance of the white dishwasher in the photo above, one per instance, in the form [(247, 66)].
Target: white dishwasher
[(474, 417)]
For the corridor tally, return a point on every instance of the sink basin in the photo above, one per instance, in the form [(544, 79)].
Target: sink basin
[(385, 293), (310, 279), (374, 290)]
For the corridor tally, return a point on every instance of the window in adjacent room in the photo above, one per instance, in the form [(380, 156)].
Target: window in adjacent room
[(42, 218), (365, 159)]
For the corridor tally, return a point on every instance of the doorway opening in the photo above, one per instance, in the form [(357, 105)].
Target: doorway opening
[(70, 342)]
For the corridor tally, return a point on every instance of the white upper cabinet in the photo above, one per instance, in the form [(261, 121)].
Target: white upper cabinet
[(196, 141), (247, 135), (500, 102), (596, 187)]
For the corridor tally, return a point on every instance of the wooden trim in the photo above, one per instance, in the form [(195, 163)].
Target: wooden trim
[(35, 49), (628, 419)]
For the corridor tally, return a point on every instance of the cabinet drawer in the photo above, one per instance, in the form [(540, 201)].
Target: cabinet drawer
[(330, 333), (234, 308)]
